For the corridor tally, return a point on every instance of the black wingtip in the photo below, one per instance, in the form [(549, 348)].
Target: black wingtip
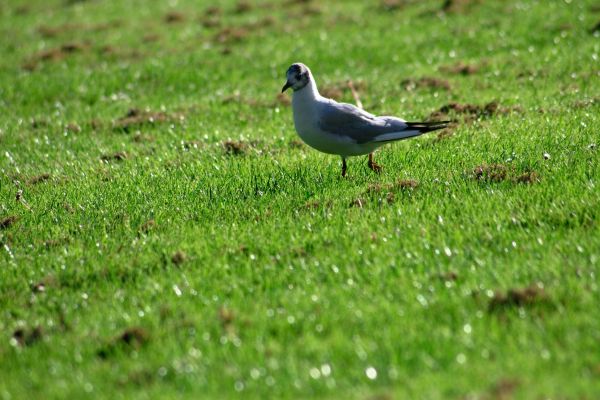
[(428, 126)]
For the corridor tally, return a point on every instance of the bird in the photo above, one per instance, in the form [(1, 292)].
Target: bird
[(341, 128)]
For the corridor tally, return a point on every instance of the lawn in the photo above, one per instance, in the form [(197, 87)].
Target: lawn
[(165, 233)]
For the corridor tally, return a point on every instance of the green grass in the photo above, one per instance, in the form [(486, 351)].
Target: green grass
[(184, 270)]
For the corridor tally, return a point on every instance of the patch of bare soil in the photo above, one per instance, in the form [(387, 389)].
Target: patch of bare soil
[(28, 336), (48, 31), (243, 7), (130, 338), (504, 389), (178, 257), (296, 144), (490, 172), (337, 90), (521, 297), (235, 148), (458, 6), (472, 111), (392, 5), (231, 35), (38, 179), (118, 156), (136, 117), (147, 226), (358, 203), (460, 68), (425, 82), (43, 284), (173, 17), (586, 102), (213, 10), (227, 317), (500, 172), (55, 54), (7, 222), (283, 99), (388, 192), (528, 177)]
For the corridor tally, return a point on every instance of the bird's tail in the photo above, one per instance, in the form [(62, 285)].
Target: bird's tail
[(412, 129)]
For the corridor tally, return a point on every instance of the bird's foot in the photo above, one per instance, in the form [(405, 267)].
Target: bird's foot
[(375, 167)]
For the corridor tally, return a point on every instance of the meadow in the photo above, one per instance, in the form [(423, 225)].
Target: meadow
[(165, 233)]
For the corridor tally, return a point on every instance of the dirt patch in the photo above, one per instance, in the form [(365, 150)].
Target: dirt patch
[(174, 17), (425, 82), (586, 102), (402, 184), (55, 54), (458, 6), (227, 317), (72, 127), (148, 226), (213, 10), (446, 132), (338, 90), (528, 177), (405, 184), (243, 7), (191, 144), (150, 37), (392, 5), (210, 22), (358, 203), (500, 172), (48, 32), (312, 205), (28, 336), (523, 297), (230, 35), (136, 118), (38, 179), (235, 148), (38, 123), (178, 257), (42, 285), (315, 205), (332, 92), (7, 222), (490, 172), (460, 68), (56, 242), (130, 338), (472, 111), (296, 144), (118, 156), (504, 389), (449, 276), (283, 99)]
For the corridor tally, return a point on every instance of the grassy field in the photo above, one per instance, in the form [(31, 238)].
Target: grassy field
[(163, 232)]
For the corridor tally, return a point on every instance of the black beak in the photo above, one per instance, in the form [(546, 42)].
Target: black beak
[(286, 87)]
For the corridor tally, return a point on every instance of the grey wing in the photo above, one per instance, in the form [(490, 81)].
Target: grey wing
[(347, 120)]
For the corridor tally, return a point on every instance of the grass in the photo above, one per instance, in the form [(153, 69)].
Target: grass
[(163, 233)]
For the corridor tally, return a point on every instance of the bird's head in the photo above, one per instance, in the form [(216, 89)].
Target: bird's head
[(298, 76)]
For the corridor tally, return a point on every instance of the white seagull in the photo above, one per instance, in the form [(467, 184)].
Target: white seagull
[(341, 128)]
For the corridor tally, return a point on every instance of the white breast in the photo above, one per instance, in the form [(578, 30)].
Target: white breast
[(306, 105)]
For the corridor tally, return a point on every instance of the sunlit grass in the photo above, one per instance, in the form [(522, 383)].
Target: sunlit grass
[(164, 233)]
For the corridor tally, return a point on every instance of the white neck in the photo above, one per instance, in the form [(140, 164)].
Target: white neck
[(309, 91)]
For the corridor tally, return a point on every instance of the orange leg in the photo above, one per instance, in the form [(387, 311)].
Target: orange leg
[(373, 165)]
